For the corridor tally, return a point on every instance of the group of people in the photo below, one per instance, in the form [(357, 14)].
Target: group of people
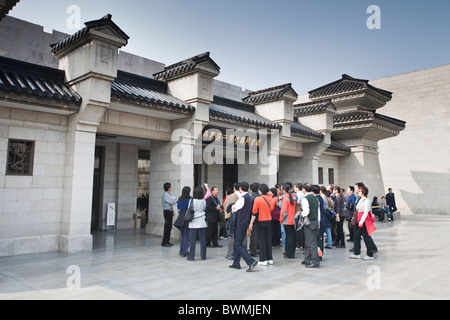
[(295, 216)]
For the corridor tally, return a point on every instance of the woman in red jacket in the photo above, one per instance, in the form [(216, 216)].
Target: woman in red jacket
[(287, 215)]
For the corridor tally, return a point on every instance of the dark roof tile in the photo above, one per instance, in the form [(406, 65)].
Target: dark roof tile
[(32, 80), (147, 92), (269, 94)]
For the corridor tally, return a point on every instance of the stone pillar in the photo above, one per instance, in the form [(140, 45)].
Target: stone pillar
[(89, 60)]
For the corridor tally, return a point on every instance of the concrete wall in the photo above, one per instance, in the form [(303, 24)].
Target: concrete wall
[(416, 164)]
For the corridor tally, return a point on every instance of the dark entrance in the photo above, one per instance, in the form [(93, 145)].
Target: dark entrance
[(230, 175), (97, 197)]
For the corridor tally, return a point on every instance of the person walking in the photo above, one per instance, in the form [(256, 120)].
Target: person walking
[(262, 212), (198, 225), (183, 204), (167, 200), (287, 214), (365, 227), (243, 210), (213, 209), (310, 206)]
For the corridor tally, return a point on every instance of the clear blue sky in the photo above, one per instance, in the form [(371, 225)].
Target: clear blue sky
[(261, 43)]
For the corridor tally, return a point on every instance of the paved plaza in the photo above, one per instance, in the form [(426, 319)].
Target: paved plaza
[(413, 263)]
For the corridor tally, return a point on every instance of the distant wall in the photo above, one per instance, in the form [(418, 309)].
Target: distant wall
[(416, 164)]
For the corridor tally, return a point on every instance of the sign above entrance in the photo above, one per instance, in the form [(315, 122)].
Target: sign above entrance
[(231, 138)]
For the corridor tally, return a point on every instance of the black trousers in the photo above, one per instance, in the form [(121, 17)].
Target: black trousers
[(340, 238), (265, 240), (276, 232), (290, 240), (212, 234), (168, 221), (370, 245)]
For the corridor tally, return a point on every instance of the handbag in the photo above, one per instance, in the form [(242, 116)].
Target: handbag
[(189, 216), (353, 222), (301, 222)]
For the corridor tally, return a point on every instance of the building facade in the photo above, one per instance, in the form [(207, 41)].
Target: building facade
[(92, 136)]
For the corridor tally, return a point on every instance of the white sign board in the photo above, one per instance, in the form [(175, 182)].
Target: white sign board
[(111, 216)]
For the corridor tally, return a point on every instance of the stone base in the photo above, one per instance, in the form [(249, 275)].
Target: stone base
[(73, 244), (29, 245)]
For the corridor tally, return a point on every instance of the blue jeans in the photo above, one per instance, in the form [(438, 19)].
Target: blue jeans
[(185, 237), (202, 236)]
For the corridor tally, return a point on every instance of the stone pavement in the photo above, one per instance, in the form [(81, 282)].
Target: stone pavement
[(413, 263)]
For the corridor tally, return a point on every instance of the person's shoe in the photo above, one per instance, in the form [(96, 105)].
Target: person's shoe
[(218, 246), (229, 257), (355, 256), (210, 246), (262, 263), (166, 245), (252, 266), (368, 258), (270, 262), (312, 265), (234, 267)]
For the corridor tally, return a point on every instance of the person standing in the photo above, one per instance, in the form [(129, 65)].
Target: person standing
[(287, 214), (253, 246), (183, 205), (198, 225), (262, 210), (390, 201), (167, 200), (310, 206), (350, 209), (340, 218), (243, 210), (365, 225), (213, 208), (232, 198)]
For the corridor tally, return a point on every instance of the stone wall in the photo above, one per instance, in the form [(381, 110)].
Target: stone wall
[(30, 206), (416, 163)]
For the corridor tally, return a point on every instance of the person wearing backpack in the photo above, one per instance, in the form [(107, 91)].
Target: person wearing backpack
[(183, 204)]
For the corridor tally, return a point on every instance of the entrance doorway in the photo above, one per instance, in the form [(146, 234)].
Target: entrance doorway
[(230, 175), (97, 197)]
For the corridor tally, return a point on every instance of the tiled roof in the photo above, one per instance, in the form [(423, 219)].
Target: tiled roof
[(346, 85), (146, 92), (298, 129), (237, 112), (185, 66), (32, 80), (6, 6), (336, 146), (269, 94), (80, 35), (365, 116), (310, 108)]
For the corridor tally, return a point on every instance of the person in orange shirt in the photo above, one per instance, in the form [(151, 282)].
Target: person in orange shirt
[(262, 210), (287, 215)]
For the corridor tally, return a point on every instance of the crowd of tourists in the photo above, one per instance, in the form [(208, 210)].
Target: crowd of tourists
[(255, 218)]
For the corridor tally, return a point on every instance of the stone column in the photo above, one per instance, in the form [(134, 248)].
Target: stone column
[(89, 60)]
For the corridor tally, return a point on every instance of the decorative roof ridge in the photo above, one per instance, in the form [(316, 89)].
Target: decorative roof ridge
[(269, 94), (276, 88), (346, 78), (105, 21), (185, 65)]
